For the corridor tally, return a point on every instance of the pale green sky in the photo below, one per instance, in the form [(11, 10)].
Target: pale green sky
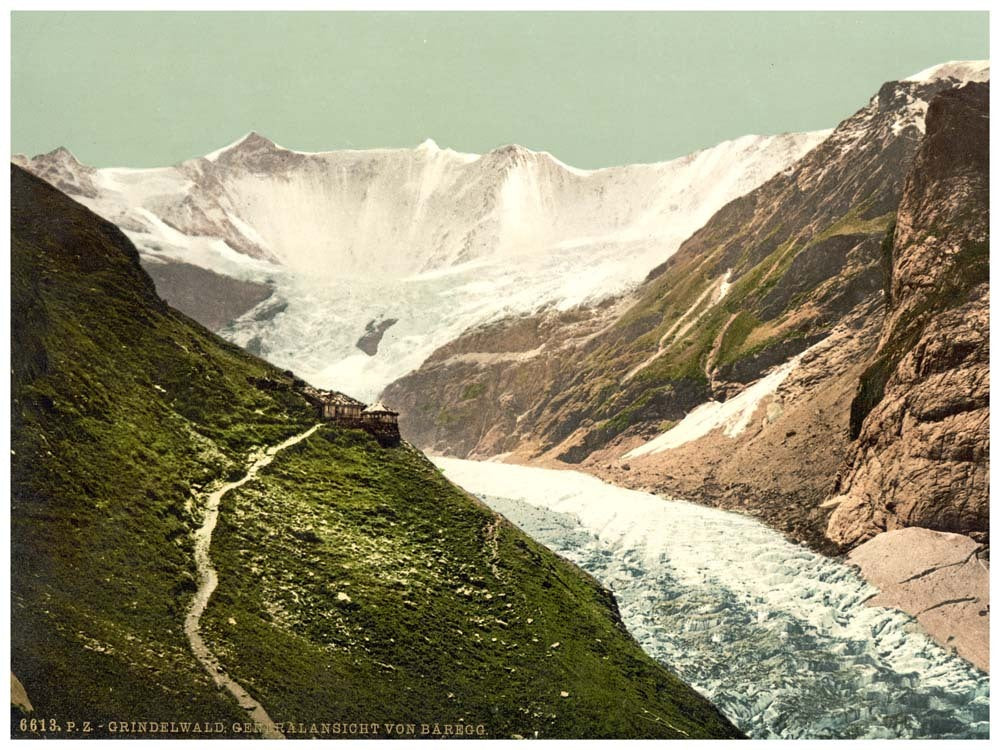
[(595, 89)]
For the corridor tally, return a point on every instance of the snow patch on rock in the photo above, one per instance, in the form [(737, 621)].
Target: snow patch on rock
[(732, 416), (961, 70)]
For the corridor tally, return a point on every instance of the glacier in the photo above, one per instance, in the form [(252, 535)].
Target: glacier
[(777, 636), (439, 240)]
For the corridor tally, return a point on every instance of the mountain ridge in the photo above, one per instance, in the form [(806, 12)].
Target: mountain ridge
[(436, 240), (797, 233)]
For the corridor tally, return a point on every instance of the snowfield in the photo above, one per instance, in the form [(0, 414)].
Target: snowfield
[(731, 416), (436, 239), (961, 70)]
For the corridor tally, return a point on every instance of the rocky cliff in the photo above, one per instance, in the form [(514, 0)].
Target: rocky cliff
[(921, 413)]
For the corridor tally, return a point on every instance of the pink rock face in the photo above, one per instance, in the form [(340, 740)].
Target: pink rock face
[(940, 579), (921, 456)]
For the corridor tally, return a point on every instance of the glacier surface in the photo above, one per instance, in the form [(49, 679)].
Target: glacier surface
[(778, 637)]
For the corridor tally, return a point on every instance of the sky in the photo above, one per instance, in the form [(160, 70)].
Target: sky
[(593, 88)]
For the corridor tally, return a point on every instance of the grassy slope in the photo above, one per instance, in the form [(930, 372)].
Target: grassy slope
[(437, 627), (124, 409), (105, 463)]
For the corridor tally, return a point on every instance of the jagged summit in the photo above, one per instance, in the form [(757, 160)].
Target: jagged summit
[(251, 142), (514, 151), (61, 168), (511, 149), (60, 155), (511, 155), (253, 139), (961, 70)]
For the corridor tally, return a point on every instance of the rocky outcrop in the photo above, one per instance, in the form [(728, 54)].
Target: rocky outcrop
[(61, 169), (372, 337), (19, 696), (921, 413), (941, 579), (210, 298)]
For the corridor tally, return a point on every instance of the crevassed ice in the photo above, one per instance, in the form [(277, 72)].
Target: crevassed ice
[(775, 635)]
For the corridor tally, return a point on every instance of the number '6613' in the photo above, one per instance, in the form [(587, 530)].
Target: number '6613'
[(39, 725)]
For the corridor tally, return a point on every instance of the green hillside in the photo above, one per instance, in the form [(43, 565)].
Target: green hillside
[(356, 584)]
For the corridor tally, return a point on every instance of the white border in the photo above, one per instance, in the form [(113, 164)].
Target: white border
[(716, 5)]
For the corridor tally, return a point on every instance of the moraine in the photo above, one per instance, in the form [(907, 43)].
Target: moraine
[(778, 637)]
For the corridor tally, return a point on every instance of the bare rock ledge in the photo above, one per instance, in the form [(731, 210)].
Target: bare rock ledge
[(937, 577)]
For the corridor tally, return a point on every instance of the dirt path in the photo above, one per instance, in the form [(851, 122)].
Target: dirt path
[(493, 544), (208, 579)]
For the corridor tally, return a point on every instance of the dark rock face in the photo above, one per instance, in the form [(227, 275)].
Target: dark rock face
[(816, 263), (922, 409), (372, 337), (750, 368), (271, 311), (210, 298)]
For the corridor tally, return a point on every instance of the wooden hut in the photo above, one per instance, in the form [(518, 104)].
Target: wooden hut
[(382, 422), (341, 408), (380, 413)]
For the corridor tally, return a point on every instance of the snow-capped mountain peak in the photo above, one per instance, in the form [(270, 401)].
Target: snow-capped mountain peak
[(252, 142), (435, 239), (511, 151), (61, 152), (960, 70), (60, 156)]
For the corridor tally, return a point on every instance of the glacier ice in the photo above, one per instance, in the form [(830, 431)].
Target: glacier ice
[(778, 637)]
